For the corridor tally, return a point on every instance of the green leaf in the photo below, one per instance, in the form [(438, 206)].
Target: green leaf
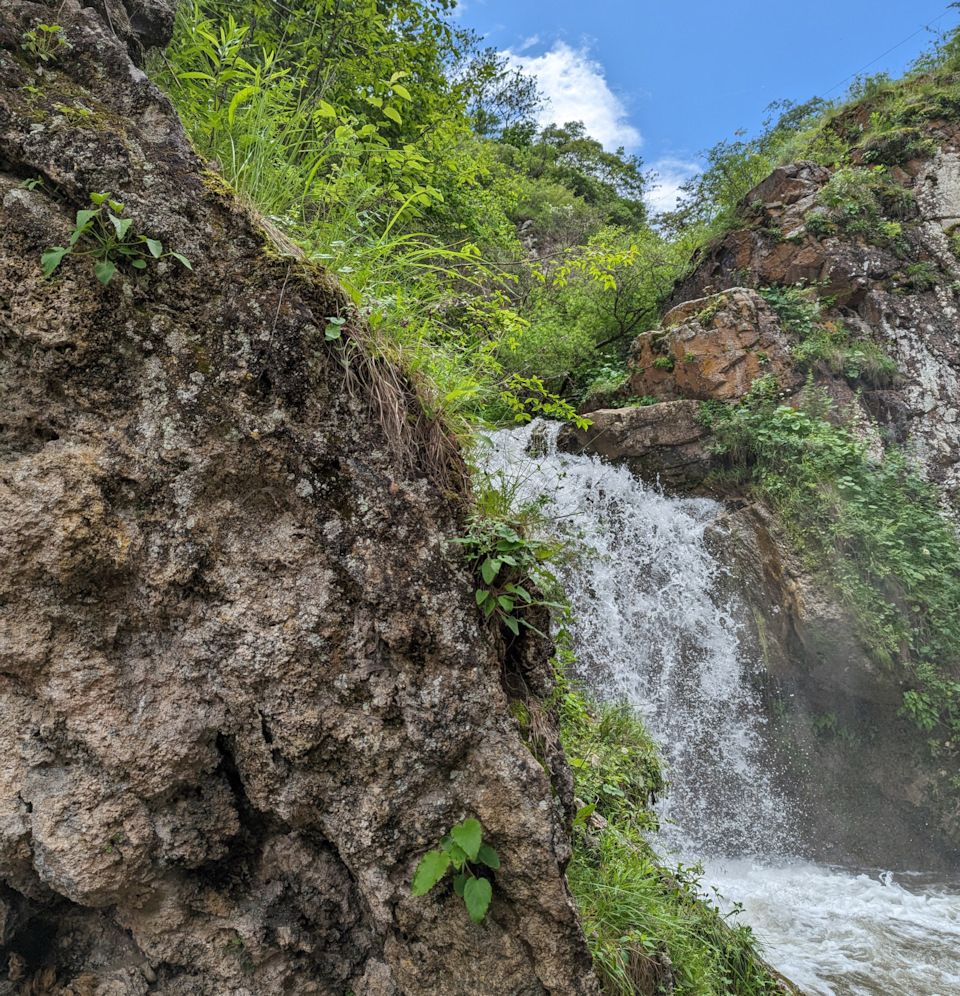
[(98, 199), (505, 603), (398, 76), (489, 569), (104, 271), (332, 331), (120, 225), (155, 247), (393, 114), (430, 870), (512, 625), (50, 260), (84, 217), (196, 76), (327, 110), (458, 856), (469, 836), (584, 814), (115, 206), (482, 594), (477, 893), (139, 264), (238, 98), (489, 856), (402, 91), (183, 259), (459, 882)]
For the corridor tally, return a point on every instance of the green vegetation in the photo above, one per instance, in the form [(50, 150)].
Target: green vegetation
[(106, 239), (464, 851), (504, 269), (648, 927), (827, 345), (868, 522), (45, 42)]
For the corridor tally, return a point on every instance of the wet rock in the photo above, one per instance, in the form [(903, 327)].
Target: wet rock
[(658, 442)]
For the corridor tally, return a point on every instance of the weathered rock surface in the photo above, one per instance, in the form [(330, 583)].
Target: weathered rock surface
[(243, 682), (658, 442), (712, 348), (875, 791), (860, 773)]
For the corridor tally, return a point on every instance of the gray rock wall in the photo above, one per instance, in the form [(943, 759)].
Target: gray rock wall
[(243, 682)]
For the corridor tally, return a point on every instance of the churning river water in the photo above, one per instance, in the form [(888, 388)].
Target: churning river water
[(651, 630)]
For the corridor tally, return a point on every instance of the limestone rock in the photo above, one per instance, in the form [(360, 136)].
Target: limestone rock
[(244, 685), (712, 348)]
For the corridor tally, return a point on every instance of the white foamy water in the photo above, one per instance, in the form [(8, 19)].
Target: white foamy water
[(651, 630)]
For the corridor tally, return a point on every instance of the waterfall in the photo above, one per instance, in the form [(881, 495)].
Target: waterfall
[(652, 629), (649, 630)]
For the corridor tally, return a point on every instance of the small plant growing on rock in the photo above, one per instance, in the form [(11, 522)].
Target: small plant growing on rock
[(504, 560), (44, 42), (107, 239), (664, 363), (463, 850)]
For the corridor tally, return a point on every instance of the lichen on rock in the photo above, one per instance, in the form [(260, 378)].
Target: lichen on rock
[(243, 681)]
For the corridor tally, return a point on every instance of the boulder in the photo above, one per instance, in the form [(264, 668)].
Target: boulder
[(712, 348), (244, 683), (658, 442)]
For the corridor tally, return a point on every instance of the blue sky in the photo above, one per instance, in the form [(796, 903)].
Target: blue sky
[(667, 80)]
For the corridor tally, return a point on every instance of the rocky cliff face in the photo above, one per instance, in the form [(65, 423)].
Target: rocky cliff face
[(243, 682), (878, 254)]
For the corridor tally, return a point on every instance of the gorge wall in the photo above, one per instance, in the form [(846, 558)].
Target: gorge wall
[(886, 269), (244, 684)]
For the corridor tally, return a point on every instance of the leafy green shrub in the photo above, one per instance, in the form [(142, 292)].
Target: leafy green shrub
[(827, 344), (647, 927), (874, 528), (464, 851)]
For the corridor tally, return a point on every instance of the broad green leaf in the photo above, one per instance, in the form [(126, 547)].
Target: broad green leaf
[(398, 76), (458, 856), (238, 98), (104, 271), (584, 814), (489, 569), (183, 259), (393, 114), (446, 842), (512, 625), (50, 260), (489, 856), (115, 206), (98, 199), (402, 91), (430, 870), (333, 332), (155, 247), (488, 607), (139, 264), (120, 225), (482, 595), (459, 882), (477, 894), (83, 217), (327, 110), (468, 835), (505, 603)]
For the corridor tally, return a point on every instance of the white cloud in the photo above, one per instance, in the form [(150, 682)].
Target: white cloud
[(576, 90), (664, 180)]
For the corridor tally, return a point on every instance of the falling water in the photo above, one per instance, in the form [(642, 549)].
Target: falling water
[(651, 629)]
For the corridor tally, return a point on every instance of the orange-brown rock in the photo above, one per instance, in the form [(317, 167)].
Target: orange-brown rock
[(712, 348)]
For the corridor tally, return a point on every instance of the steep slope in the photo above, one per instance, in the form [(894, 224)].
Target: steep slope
[(244, 685)]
